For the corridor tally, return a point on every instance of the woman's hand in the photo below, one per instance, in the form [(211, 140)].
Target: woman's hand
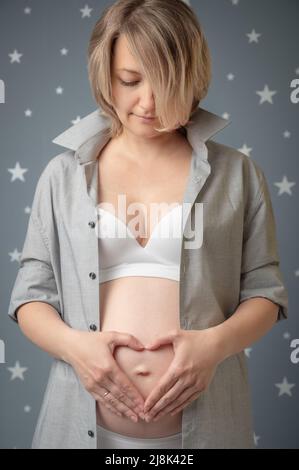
[(91, 356), (196, 356)]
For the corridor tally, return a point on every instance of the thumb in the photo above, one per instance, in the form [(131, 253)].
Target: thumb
[(125, 339), (163, 340)]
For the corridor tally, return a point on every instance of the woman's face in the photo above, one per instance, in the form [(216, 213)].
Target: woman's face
[(132, 94)]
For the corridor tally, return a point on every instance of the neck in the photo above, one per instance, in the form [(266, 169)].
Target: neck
[(139, 149)]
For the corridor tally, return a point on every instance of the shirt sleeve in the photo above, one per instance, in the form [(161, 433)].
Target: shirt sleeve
[(260, 271), (35, 279)]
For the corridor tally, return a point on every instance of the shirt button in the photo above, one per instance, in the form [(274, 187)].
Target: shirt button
[(91, 433), (91, 224), (93, 327), (92, 275)]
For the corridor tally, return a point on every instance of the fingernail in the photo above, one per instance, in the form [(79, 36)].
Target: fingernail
[(141, 415), (134, 418), (147, 419)]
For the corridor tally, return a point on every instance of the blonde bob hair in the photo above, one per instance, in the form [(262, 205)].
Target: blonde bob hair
[(168, 43)]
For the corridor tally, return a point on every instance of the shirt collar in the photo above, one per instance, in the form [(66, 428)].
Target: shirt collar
[(88, 136)]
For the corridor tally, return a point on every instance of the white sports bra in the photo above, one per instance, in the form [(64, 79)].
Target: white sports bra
[(120, 254)]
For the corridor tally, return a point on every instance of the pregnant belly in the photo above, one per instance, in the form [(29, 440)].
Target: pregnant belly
[(147, 308)]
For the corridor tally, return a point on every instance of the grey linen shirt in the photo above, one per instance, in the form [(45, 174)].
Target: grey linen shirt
[(238, 260)]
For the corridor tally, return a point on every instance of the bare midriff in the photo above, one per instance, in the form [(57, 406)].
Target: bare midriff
[(146, 307)]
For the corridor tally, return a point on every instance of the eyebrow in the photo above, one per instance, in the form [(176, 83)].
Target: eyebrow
[(131, 71)]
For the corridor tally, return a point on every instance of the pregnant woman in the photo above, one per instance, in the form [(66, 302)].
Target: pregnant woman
[(150, 260), (139, 273)]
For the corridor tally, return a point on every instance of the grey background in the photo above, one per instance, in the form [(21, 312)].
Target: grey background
[(31, 84)]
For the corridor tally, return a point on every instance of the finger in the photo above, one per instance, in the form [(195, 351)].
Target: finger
[(175, 403), (161, 341), (121, 402), (121, 395), (125, 339), (126, 387), (168, 380), (106, 404), (190, 400), (107, 384), (118, 407), (167, 400)]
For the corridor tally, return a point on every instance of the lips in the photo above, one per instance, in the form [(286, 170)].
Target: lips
[(145, 117)]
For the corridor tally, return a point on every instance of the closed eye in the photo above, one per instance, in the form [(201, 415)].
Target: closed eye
[(128, 83)]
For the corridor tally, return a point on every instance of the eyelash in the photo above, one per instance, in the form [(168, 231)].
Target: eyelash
[(128, 83)]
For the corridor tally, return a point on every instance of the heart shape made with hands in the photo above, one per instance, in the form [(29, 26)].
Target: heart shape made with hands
[(146, 370), (156, 360)]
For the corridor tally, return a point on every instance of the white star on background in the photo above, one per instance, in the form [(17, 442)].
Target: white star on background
[(59, 90), (297, 272), (287, 134), (245, 150), (235, 2), (256, 438), (86, 11), (17, 371), (225, 116), (17, 172), (286, 335), (285, 186), (64, 51), (75, 121), (27, 11), (15, 57), (297, 71), (266, 95), (15, 255), (28, 113), (285, 387), (253, 36), (230, 76), (27, 408), (27, 210)]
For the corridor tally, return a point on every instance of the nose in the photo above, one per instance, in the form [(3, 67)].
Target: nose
[(147, 101)]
